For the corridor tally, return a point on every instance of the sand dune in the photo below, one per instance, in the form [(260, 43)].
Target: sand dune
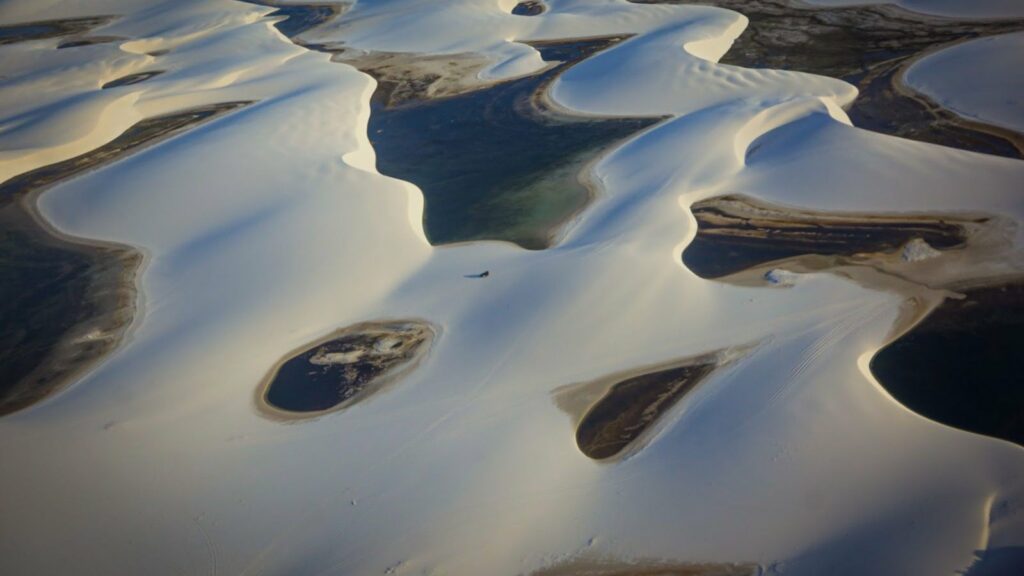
[(269, 228), (976, 80)]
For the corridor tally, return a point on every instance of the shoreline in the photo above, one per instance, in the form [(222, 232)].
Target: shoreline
[(901, 86), (514, 107), (111, 307), (111, 293), (868, 46), (381, 383)]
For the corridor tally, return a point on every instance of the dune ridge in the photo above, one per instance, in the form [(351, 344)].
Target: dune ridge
[(269, 228)]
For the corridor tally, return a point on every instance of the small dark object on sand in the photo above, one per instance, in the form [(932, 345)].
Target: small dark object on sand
[(483, 274)]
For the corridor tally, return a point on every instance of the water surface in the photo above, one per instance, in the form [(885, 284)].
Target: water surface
[(65, 303), (493, 164)]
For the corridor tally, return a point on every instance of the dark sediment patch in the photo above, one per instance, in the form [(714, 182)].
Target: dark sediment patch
[(348, 366), (131, 79), (49, 29), (529, 8), (868, 46), (736, 233), (494, 163), (615, 411), (64, 302), (960, 365)]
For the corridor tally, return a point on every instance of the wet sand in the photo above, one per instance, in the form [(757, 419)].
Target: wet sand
[(66, 302), (869, 47)]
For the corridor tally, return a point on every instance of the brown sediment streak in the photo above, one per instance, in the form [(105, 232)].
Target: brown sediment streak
[(736, 233), (343, 368), (66, 302), (614, 413)]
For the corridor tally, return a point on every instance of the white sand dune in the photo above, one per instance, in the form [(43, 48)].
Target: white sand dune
[(270, 227), (978, 80)]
